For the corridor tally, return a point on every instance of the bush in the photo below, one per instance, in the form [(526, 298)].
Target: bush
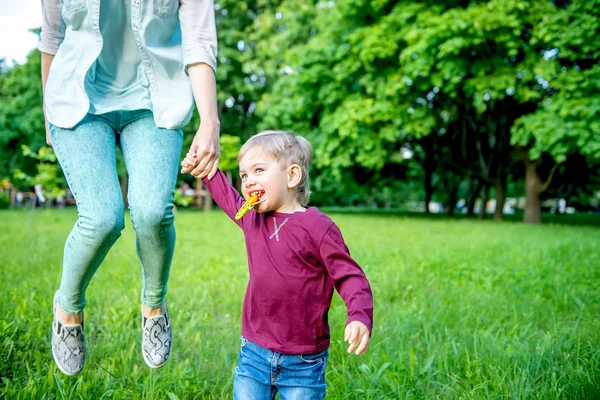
[(4, 201)]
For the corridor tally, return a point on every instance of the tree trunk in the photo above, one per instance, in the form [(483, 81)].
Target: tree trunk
[(198, 189), (428, 189), (208, 201), (452, 196), (452, 203), (473, 194), (533, 189), (484, 198), (500, 197)]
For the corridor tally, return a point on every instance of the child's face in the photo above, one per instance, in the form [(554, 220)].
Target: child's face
[(263, 174)]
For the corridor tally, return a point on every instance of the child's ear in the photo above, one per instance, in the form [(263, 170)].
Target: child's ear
[(294, 176)]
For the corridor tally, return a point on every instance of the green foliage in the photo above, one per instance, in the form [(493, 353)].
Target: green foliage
[(568, 122), (365, 81), (236, 88), (21, 114), (567, 119), (4, 201), (230, 146), (463, 309), (181, 200), (48, 173)]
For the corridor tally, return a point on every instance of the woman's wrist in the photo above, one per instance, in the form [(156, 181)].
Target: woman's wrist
[(210, 122)]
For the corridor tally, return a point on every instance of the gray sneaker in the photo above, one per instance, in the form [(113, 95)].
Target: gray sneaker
[(156, 340), (68, 344)]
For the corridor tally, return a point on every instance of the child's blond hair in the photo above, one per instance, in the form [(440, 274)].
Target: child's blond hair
[(287, 149)]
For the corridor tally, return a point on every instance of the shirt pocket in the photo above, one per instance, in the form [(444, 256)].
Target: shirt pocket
[(165, 8), (74, 13), (73, 5)]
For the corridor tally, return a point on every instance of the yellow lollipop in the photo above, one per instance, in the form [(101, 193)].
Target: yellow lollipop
[(247, 206)]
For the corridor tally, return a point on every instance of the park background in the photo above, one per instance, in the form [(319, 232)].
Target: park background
[(438, 128)]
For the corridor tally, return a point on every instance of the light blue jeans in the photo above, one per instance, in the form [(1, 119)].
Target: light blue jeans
[(87, 155), (261, 373)]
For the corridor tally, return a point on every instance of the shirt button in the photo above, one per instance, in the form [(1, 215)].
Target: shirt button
[(153, 87)]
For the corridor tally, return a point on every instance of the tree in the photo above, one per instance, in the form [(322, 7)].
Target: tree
[(366, 79), (48, 173), (567, 118), (21, 115)]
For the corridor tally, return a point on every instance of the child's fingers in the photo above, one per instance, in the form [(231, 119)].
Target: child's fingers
[(353, 338), (188, 163), (347, 332), (364, 343), (185, 167)]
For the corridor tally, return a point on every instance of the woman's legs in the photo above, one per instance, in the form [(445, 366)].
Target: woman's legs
[(87, 155), (152, 158)]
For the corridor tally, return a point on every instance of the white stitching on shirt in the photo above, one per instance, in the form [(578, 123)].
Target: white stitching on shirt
[(277, 228)]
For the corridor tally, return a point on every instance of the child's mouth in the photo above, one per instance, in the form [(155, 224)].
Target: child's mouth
[(259, 193)]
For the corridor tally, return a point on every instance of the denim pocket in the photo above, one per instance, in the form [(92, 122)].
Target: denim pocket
[(165, 8), (313, 358), (73, 5)]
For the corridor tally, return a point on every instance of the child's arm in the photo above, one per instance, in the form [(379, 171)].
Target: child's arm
[(352, 285), (225, 195)]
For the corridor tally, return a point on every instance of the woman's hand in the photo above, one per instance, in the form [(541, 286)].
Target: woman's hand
[(206, 142), (206, 150)]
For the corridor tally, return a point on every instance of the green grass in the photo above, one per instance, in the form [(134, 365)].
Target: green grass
[(463, 309)]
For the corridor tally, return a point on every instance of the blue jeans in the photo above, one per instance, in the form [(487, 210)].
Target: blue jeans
[(261, 373), (87, 155)]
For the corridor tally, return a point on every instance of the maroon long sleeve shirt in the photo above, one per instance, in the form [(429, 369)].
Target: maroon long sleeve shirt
[(295, 261)]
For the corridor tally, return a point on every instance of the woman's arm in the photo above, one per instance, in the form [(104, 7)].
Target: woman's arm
[(46, 61), (199, 40), (51, 36), (202, 79)]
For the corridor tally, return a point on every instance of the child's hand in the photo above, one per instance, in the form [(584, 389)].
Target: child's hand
[(357, 334), (190, 161)]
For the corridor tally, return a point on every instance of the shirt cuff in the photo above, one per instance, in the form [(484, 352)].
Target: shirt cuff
[(364, 319), (48, 45), (200, 56)]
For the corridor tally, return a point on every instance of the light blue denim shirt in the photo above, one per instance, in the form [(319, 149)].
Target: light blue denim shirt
[(122, 85), (169, 36)]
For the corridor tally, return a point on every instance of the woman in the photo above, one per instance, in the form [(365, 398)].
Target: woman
[(124, 73)]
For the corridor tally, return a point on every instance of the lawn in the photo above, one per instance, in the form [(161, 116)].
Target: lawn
[(463, 309)]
